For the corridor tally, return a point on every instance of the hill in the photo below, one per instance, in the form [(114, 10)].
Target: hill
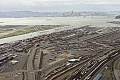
[(117, 17)]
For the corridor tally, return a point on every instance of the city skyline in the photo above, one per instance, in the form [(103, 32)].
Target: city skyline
[(59, 5)]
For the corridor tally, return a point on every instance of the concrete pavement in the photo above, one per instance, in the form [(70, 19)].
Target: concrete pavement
[(31, 74)]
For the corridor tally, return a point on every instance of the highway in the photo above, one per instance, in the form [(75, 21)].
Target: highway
[(30, 69), (40, 66), (32, 73)]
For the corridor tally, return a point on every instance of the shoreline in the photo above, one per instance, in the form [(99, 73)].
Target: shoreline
[(34, 34), (26, 30)]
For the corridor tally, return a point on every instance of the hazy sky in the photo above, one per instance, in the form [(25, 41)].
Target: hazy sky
[(59, 5)]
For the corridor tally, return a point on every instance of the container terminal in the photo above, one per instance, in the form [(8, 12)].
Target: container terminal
[(82, 53)]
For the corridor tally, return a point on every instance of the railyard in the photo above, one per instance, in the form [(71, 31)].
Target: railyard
[(73, 54)]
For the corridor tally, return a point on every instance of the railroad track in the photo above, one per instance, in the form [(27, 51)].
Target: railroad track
[(93, 70), (54, 76)]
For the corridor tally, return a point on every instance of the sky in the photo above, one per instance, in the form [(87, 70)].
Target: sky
[(59, 5)]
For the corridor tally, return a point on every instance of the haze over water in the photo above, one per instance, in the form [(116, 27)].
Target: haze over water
[(98, 21)]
